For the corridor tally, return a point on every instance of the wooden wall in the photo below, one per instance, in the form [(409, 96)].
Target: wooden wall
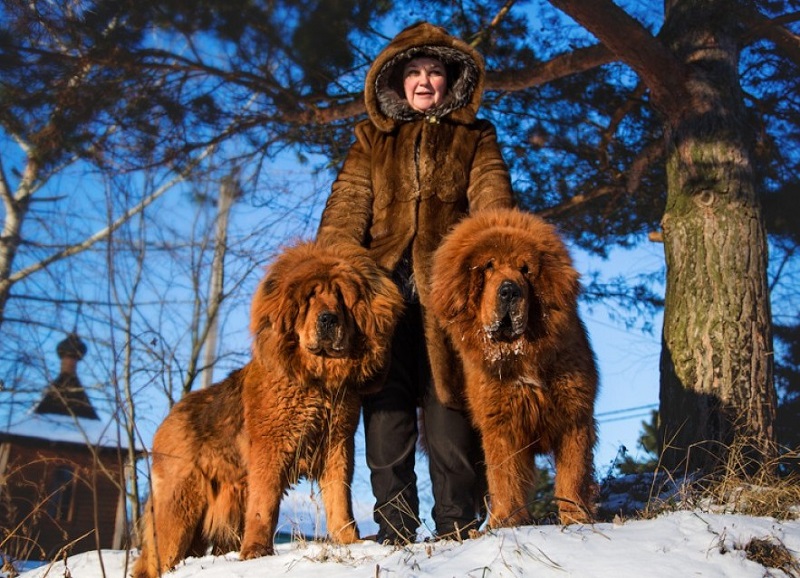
[(56, 496)]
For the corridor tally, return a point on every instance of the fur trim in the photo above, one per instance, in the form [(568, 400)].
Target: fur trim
[(383, 91), (462, 78)]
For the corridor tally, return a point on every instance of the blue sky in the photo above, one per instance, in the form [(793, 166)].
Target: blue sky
[(627, 358)]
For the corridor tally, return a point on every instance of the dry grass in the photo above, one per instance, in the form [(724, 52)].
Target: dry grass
[(746, 484), (772, 553)]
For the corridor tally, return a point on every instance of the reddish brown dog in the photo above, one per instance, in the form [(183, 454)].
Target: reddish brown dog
[(322, 320), (506, 296)]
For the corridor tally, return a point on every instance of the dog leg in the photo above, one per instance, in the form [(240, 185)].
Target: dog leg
[(146, 565), (334, 483), (266, 484), (171, 525), (573, 458), (177, 520), (510, 473)]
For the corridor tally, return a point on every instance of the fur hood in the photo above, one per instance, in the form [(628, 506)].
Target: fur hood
[(383, 91)]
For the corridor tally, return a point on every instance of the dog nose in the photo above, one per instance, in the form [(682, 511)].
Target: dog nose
[(509, 291), (326, 322)]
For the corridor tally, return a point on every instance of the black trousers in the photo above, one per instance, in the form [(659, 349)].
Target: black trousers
[(391, 432)]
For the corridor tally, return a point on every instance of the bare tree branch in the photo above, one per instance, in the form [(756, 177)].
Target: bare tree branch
[(607, 135), (579, 60), (105, 232), (486, 32), (759, 26), (579, 200), (647, 157), (663, 74)]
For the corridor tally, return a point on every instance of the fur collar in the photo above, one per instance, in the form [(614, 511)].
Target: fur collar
[(383, 92)]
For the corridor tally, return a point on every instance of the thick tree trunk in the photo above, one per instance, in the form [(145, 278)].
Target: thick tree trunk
[(717, 387)]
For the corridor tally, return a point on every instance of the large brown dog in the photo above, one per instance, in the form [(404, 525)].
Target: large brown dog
[(505, 292), (322, 320)]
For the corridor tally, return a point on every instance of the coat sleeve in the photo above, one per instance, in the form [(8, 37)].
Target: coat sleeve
[(348, 210), (489, 179)]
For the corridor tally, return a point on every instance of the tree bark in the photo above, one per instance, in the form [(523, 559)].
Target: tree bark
[(228, 192), (16, 207), (716, 389)]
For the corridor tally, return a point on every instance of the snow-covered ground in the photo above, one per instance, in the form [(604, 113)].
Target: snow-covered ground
[(681, 544)]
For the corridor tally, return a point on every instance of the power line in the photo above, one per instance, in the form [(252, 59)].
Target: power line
[(627, 410), (624, 417)]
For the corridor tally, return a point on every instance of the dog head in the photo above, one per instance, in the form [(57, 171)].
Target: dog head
[(505, 278), (325, 312)]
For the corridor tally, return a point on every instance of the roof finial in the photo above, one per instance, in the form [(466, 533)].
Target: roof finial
[(72, 347)]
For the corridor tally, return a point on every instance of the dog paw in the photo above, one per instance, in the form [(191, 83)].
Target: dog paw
[(347, 535), (574, 517), (510, 518), (250, 551)]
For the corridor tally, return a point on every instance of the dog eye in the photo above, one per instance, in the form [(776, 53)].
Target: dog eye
[(524, 270), (489, 265)]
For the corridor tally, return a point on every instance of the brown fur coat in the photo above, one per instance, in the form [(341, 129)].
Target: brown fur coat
[(410, 177)]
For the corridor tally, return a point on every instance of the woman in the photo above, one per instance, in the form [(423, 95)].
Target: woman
[(420, 163)]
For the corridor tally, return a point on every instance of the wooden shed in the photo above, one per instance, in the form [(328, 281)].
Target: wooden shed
[(62, 472)]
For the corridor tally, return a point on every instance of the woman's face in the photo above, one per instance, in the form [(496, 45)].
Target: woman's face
[(424, 82)]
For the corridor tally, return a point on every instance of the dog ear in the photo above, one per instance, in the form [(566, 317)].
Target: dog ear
[(379, 303), (557, 284), (259, 310), (454, 280), (273, 307), (555, 280)]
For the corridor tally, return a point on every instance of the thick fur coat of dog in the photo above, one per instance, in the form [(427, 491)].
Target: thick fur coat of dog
[(506, 297), (322, 321)]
